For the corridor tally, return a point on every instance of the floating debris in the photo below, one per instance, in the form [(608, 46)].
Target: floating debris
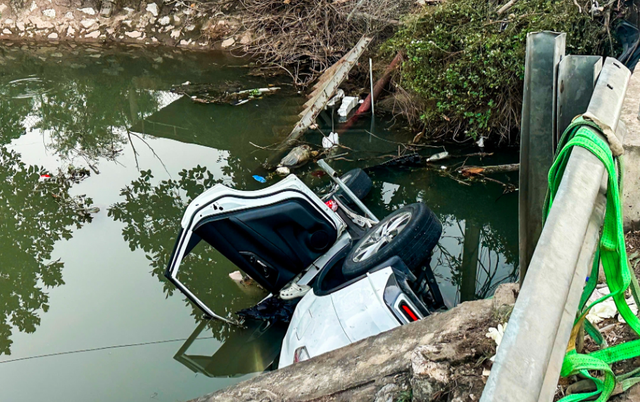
[(330, 141), (283, 171), (337, 98), (348, 103), (259, 179), (438, 157), (227, 93), (297, 157)]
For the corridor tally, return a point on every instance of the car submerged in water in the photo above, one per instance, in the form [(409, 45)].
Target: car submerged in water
[(344, 276)]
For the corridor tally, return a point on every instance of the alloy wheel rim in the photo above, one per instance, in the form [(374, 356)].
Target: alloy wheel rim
[(382, 235)]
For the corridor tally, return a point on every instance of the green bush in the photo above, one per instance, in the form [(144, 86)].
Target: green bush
[(465, 63)]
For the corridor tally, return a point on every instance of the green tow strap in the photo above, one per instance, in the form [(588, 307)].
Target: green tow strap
[(612, 253)]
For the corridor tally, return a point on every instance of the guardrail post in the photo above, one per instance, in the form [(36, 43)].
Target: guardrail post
[(544, 51), (577, 77), (528, 362)]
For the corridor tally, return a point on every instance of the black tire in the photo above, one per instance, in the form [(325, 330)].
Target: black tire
[(413, 244), (358, 182)]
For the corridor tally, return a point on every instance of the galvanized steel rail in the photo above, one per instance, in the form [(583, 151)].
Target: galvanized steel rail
[(528, 362)]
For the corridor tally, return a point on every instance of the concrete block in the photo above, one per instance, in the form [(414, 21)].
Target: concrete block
[(631, 183)]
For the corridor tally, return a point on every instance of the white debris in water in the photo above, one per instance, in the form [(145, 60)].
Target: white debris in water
[(93, 34), (51, 13), (283, 171), (57, 54), (348, 103), (153, 9), (480, 142), (6, 32), (496, 334), (330, 141), (175, 34), (190, 28), (337, 98), (164, 20), (53, 35), (87, 10)]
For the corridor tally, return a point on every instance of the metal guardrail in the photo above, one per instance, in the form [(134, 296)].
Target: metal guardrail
[(528, 362)]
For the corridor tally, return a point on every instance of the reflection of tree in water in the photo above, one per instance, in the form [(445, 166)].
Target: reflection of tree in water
[(484, 261), (86, 117), (152, 215), (33, 216), (85, 110)]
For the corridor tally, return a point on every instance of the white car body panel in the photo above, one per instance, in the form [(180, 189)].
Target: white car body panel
[(221, 199), (228, 199), (325, 323)]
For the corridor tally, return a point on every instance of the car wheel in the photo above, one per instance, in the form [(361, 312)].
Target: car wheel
[(410, 233), (358, 182)]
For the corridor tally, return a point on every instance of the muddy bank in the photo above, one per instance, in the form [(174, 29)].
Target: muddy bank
[(443, 357), (143, 23)]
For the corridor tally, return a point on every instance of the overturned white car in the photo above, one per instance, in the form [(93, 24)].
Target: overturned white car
[(348, 275)]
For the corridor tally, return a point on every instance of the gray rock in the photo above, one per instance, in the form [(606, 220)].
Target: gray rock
[(39, 23), (50, 12), (427, 377), (228, 43), (153, 9), (505, 297), (88, 23), (87, 10), (388, 393), (134, 34)]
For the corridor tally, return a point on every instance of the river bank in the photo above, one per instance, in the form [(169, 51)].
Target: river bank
[(434, 88), (147, 23)]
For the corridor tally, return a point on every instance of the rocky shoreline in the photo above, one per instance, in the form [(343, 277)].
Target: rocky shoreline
[(148, 23)]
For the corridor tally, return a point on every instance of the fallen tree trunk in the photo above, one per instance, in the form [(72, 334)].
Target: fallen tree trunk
[(444, 354), (474, 170)]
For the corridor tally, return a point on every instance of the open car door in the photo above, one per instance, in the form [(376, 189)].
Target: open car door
[(271, 234)]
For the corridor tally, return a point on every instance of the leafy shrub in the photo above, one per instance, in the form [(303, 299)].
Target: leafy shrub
[(465, 62)]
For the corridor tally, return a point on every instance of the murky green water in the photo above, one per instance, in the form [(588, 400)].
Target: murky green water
[(90, 283)]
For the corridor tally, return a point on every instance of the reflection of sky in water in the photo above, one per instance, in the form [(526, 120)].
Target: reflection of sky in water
[(128, 122)]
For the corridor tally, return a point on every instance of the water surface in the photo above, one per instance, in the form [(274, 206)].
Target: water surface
[(76, 279)]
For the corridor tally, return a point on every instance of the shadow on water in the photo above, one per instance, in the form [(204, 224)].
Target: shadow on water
[(93, 105)]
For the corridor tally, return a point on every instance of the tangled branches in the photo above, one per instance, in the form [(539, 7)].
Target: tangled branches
[(305, 37)]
